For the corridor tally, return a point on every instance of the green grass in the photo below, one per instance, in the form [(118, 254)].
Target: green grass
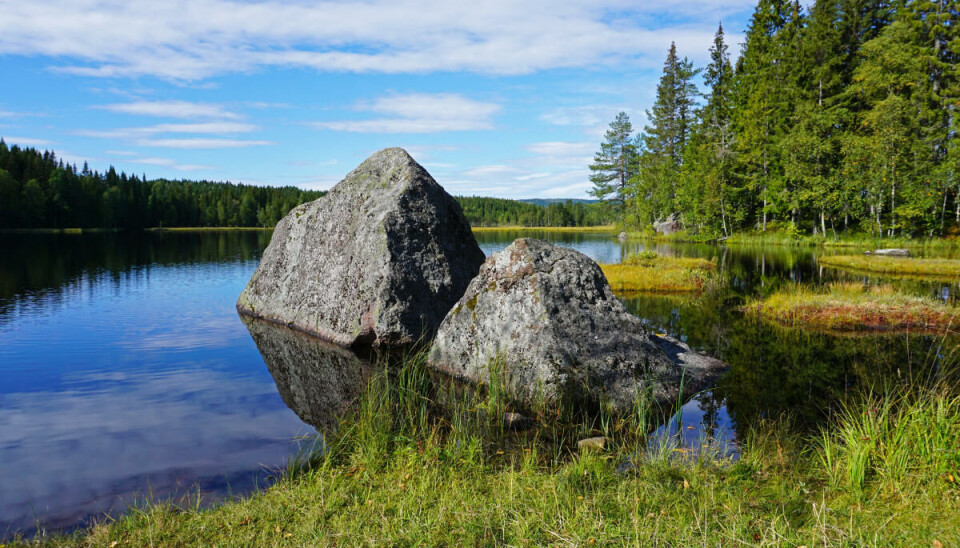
[(649, 272), (855, 307), (404, 470), (899, 266)]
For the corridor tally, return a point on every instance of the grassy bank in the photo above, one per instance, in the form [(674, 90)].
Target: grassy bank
[(581, 229), (404, 471), (902, 266), (649, 272), (855, 307)]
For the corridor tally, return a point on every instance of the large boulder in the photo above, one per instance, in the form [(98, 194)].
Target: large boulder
[(379, 260), (542, 321)]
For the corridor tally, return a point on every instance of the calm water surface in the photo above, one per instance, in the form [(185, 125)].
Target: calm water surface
[(126, 374)]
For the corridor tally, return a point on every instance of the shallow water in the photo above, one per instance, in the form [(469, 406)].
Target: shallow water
[(126, 373)]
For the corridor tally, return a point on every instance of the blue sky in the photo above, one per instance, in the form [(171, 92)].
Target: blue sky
[(496, 98)]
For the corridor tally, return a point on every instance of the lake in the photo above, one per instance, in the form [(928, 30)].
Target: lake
[(127, 375)]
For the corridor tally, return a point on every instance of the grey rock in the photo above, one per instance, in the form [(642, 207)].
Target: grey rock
[(622, 236), (379, 260), (542, 321), (516, 421), (890, 252), (318, 380), (592, 444), (669, 225)]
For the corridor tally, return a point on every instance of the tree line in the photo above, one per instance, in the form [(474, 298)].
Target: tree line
[(501, 212), (37, 190), (840, 117)]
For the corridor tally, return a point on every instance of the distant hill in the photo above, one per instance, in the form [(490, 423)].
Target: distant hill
[(543, 202)]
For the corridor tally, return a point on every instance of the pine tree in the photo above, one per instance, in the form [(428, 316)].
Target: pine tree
[(614, 165)]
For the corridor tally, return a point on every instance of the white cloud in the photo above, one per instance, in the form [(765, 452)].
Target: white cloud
[(201, 143), (419, 113), (195, 39), (27, 141), (532, 176), (561, 148), (171, 109), (168, 162), (203, 127)]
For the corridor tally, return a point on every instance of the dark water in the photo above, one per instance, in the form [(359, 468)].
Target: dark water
[(126, 374)]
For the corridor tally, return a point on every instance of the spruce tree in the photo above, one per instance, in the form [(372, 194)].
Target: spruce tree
[(665, 139)]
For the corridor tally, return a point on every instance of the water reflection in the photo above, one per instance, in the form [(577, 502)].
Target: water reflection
[(316, 379)]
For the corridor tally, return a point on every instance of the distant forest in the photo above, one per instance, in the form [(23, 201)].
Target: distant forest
[(38, 190), (500, 212), (843, 116)]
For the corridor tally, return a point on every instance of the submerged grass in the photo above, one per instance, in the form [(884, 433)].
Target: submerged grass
[(900, 266), (649, 272), (405, 470), (855, 307)]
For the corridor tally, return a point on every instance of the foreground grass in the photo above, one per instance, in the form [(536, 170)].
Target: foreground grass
[(901, 266), (400, 472), (855, 307), (649, 272)]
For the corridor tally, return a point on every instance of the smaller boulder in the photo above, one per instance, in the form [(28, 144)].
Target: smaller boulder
[(592, 444), (670, 225), (542, 322), (890, 252)]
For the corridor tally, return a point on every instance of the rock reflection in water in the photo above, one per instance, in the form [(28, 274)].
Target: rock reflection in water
[(316, 379)]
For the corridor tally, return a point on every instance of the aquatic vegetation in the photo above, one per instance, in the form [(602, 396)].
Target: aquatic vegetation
[(905, 266), (404, 470), (647, 271), (855, 307)]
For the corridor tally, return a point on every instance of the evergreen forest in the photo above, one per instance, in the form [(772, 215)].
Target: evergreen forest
[(840, 117)]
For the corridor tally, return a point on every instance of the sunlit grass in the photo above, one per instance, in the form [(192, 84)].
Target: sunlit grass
[(649, 272), (906, 266), (855, 306)]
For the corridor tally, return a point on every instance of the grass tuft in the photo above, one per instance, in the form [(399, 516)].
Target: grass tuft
[(649, 272), (855, 307), (899, 266)]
